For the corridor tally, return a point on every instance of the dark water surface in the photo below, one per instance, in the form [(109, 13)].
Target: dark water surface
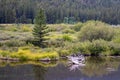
[(94, 69)]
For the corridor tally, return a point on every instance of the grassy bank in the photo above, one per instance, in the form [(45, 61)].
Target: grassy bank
[(89, 38), (30, 53)]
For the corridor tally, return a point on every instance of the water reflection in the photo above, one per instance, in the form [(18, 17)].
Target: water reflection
[(24, 70), (98, 66), (74, 67), (39, 72), (95, 68)]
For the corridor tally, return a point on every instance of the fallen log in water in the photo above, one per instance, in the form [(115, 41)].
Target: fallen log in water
[(76, 59)]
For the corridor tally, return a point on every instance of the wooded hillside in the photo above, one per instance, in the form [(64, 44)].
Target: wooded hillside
[(57, 11)]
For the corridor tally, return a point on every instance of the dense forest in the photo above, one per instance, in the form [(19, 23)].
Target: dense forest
[(58, 11)]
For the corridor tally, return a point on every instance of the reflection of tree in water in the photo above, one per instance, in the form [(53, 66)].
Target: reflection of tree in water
[(96, 66), (41, 69), (39, 72)]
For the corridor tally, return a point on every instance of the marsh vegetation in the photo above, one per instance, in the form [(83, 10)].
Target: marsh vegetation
[(90, 38)]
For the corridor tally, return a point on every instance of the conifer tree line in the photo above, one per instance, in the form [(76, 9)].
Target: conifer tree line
[(24, 11)]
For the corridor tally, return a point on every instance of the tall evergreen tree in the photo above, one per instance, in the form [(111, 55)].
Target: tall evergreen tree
[(40, 29)]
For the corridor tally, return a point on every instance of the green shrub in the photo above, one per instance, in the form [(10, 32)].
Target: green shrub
[(2, 27), (64, 52), (67, 38), (94, 48), (77, 27), (116, 39), (94, 30), (73, 48), (4, 53), (25, 28), (55, 43), (98, 47), (114, 48), (68, 31), (13, 28), (13, 43), (84, 47), (51, 29)]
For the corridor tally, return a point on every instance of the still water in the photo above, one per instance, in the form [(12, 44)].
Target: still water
[(94, 69)]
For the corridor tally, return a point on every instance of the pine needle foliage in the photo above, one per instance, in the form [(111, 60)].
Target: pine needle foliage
[(40, 30)]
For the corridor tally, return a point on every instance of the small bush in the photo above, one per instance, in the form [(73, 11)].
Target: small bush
[(51, 29), (68, 31), (116, 40), (64, 52), (26, 28), (14, 43), (114, 48), (78, 26), (14, 29), (2, 27), (84, 47), (98, 47), (4, 53), (55, 43), (67, 38)]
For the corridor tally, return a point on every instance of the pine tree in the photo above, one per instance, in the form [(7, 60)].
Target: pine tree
[(40, 29)]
